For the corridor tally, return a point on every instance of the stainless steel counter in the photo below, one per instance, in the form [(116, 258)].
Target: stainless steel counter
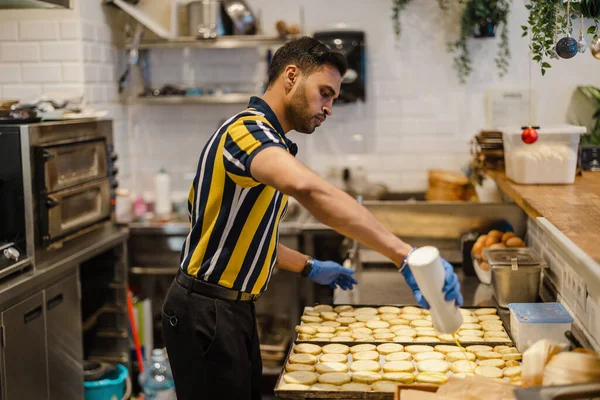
[(80, 249)]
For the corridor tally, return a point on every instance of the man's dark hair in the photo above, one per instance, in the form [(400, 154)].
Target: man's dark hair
[(308, 54)]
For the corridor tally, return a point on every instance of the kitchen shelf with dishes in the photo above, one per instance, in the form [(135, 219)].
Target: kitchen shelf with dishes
[(220, 42), (173, 95), (226, 98)]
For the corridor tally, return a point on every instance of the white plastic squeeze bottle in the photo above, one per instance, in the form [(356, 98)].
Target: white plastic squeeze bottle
[(426, 265)]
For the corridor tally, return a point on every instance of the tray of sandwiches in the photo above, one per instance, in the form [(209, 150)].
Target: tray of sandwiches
[(371, 365)]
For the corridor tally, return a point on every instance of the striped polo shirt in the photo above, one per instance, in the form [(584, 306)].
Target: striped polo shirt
[(234, 219)]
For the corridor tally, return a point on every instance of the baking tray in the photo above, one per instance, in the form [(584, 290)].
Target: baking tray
[(314, 394), (473, 308)]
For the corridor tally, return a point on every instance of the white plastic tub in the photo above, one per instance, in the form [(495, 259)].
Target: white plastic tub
[(530, 322), (552, 159)]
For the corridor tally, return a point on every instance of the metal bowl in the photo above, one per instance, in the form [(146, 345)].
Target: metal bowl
[(244, 21)]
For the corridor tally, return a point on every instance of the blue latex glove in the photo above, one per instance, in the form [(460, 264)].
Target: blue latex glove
[(332, 274), (451, 286)]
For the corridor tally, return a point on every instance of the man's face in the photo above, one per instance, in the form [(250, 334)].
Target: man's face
[(311, 99)]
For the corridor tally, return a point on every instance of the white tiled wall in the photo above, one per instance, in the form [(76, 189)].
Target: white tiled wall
[(417, 115), (571, 288), (63, 52), (44, 52)]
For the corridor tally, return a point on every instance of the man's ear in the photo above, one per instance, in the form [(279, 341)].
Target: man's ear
[(291, 74)]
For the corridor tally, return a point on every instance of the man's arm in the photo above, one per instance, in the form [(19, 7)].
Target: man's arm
[(275, 167), (290, 260)]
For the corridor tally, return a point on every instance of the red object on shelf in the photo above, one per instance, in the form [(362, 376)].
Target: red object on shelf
[(134, 332), (529, 135)]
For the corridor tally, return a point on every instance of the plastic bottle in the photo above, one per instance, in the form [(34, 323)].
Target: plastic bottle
[(426, 265), (163, 205), (157, 378)]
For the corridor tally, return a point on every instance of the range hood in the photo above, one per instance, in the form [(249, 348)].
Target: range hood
[(15, 4)]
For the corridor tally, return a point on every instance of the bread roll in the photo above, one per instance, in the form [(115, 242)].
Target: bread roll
[(293, 386), (362, 347), (323, 368), (398, 366), (300, 377), (335, 378), (366, 377), (355, 387), (307, 348), (385, 386)]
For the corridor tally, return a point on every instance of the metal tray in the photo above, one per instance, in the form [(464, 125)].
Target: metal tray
[(313, 394), (499, 343)]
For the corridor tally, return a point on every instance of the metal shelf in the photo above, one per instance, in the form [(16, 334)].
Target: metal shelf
[(221, 42), (230, 98)]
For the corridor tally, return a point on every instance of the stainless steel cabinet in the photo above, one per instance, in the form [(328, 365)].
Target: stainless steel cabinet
[(65, 348), (25, 360)]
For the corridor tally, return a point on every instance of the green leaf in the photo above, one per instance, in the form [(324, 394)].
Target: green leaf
[(543, 72), (546, 65), (537, 58), (524, 34), (524, 27), (591, 30)]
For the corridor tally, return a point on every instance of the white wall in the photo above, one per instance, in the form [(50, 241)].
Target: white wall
[(63, 52), (417, 115)]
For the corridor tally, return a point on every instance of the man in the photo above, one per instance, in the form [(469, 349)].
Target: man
[(245, 174)]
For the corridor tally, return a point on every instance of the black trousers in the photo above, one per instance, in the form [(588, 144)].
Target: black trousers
[(213, 346)]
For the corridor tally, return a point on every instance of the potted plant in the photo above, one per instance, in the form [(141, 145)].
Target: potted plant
[(584, 110), (397, 7), (548, 19), (480, 19)]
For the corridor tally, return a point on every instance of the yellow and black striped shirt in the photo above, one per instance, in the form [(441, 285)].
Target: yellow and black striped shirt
[(234, 219)]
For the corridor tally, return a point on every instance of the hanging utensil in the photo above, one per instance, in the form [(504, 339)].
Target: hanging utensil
[(567, 47), (133, 55), (581, 43)]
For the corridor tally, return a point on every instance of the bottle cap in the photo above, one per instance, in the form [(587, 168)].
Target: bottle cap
[(158, 355)]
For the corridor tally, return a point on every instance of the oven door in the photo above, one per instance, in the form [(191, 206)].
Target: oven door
[(66, 165), (72, 210)]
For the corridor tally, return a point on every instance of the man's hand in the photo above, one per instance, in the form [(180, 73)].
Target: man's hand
[(332, 274), (451, 286)]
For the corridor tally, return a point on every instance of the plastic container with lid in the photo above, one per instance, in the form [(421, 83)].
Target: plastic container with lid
[(552, 159), (530, 322), (516, 274)]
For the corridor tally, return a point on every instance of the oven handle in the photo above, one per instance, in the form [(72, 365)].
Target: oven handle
[(51, 202), (47, 156)]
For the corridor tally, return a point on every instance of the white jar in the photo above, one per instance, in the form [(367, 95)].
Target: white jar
[(163, 204)]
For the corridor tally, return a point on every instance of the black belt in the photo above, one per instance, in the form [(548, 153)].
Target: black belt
[(211, 290)]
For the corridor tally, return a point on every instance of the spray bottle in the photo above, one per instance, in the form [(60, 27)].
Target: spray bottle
[(426, 266)]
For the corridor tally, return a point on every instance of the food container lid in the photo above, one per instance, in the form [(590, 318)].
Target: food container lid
[(540, 313), (547, 130), (523, 257)]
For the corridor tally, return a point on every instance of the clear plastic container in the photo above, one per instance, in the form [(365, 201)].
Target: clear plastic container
[(552, 159), (530, 322)]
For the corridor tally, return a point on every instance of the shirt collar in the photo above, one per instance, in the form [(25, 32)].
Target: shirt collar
[(262, 106)]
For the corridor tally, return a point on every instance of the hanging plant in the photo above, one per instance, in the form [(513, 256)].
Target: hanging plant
[(590, 8), (548, 19), (480, 19), (397, 8)]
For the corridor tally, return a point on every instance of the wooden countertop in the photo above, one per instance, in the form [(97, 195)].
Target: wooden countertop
[(572, 209)]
